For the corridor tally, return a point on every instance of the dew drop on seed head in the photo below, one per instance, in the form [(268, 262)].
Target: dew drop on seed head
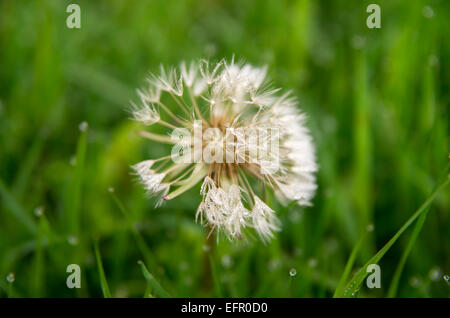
[(293, 272), (10, 278), (83, 126)]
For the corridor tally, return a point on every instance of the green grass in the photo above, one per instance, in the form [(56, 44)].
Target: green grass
[(378, 108)]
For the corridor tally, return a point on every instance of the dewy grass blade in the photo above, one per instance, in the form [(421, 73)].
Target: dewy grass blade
[(156, 286), (73, 208), (349, 265), (16, 209), (355, 283), (103, 281), (417, 228)]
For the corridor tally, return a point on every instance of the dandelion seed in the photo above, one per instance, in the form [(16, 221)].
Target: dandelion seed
[(249, 134)]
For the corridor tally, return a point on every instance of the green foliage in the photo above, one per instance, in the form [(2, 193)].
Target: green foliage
[(377, 102)]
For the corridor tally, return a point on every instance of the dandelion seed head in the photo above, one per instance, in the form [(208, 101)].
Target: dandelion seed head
[(240, 115)]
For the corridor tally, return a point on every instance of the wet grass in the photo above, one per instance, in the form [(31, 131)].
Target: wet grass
[(377, 104)]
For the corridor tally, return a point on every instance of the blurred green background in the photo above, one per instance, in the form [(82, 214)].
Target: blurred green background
[(377, 102)]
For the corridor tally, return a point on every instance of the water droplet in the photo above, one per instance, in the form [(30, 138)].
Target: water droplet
[(293, 272), (358, 42), (83, 126), (298, 251), (73, 161), (433, 60), (206, 248), (111, 190), (312, 262), (435, 274), (447, 278), (10, 278), (188, 281), (295, 216), (273, 264), (414, 281), (39, 211), (227, 261), (428, 12), (183, 266), (355, 293), (72, 239), (370, 228)]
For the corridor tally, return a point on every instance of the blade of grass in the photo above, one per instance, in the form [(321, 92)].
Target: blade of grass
[(32, 157), (148, 291), (73, 208), (16, 209), (39, 260), (159, 291), (103, 281), (354, 284), (401, 264), (216, 279), (363, 151), (349, 265)]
